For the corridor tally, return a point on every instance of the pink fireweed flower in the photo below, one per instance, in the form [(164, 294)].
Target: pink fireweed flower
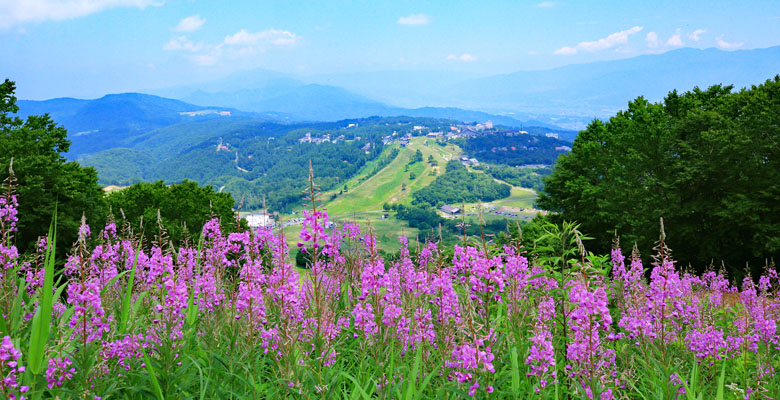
[(445, 298), (10, 370), (589, 357), (618, 265), (313, 228), (8, 214), (707, 343), (89, 319), (541, 357), (59, 371), (125, 350)]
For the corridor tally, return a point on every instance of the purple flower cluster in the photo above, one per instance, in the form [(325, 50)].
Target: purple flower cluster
[(60, 370), (464, 315), (10, 370)]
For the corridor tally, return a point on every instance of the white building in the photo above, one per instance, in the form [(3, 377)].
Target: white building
[(259, 220)]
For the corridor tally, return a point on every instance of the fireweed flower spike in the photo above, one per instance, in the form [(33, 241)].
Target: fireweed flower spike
[(484, 320), (10, 370)]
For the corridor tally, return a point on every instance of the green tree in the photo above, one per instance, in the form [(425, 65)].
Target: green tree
[(44, 178), (707, 161), (181, 204)]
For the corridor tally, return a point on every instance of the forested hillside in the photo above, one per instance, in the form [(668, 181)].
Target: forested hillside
[(457, 185), (707, 161), (515, 150)]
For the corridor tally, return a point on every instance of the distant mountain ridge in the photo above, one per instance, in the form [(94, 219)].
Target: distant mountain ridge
[(602, 88), (126, 119), (560, 100), (568, 97), (100, 124)]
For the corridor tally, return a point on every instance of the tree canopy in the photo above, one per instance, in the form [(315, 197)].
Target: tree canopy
[(180, 205), (707, 161), (457, 184), (44, 178)]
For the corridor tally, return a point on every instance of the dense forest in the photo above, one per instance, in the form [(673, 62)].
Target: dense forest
[(457, 185), (171, 212), (514, 149), (532, 178), (707, 161)]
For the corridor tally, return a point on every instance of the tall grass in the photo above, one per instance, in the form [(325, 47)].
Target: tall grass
[(232, 319)]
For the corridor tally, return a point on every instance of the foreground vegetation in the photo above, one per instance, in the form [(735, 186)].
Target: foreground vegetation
[(229, 317)]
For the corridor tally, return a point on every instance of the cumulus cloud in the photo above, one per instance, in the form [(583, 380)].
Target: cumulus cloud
[(675, 40), (608, 42), (566, 50), (695, 34), (15, 12), (235, 47), (724, 45), (182, 43), (465, 57), (414, 19), (547, 4), (652, 40), (268, 36), (189, 24)]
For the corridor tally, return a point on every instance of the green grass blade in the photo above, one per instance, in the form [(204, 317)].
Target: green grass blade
[(721, 383), (515, 372), (152, 376), (411, 379), (129, 291), (357, 386), (112, 282), (42, 321)]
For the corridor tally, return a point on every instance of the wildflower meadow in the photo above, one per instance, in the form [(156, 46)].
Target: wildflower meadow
[(228, 316)]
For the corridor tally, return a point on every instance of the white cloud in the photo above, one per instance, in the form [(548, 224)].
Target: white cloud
[(189, 24), (695, 34), (547, 4), (566, 50), (532, 53), (236, 47), (724, 45), (465, 57), (414, 19), (652, 40), (675, 40), (182, 43), (15, 12), (268, 36), (610, 41)]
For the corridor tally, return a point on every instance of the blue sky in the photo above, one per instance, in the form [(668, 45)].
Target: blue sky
[(87, 48)]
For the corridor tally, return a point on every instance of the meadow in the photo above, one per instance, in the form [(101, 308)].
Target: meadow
[(229, 317)]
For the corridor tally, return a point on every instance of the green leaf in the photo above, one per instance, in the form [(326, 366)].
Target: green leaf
[(42, 320), (411, 379), (129, 291), (515, 372), (152, 376), (112, 282), (721, 382)]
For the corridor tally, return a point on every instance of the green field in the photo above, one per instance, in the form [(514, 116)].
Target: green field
[(386, 231), (387, 185), (519, 197), (365, 195)]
